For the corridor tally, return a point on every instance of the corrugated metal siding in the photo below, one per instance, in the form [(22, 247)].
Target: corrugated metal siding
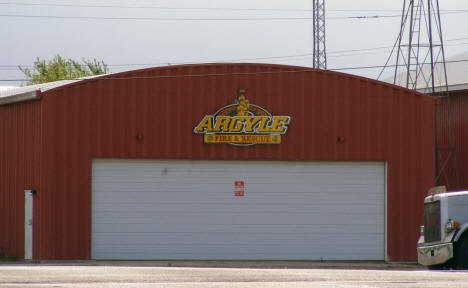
[(19, 166), (101, 118), (459, 114)]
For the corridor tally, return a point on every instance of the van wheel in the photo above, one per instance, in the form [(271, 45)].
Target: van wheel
[(461, 253)]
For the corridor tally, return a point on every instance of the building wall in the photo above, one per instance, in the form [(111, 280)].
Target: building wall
[(459, 116), (19, 170), (102, 118), (459, 104)]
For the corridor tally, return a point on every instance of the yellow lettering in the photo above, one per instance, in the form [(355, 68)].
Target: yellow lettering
[(251, 122), (263, 127), (279, 123), (243, 124), (206, 125), (222, 124), (236, 124)]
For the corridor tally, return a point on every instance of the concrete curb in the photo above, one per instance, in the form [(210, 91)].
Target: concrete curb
[(234, 264)]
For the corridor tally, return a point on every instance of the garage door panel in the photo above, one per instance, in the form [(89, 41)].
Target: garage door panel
[(246, 252), (221, 208), (233, 238), (250, 248), (200, 238), (291, 210), (180, 185), (269, 231), (235, 228), (234, 256), (229, 219), (109, 198), (173, 166), (300, 195), (176, 189)]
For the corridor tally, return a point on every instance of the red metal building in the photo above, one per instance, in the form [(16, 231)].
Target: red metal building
[(459, 121), (53, 140)]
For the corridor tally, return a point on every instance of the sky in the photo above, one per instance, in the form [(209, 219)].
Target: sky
[(130, 35)]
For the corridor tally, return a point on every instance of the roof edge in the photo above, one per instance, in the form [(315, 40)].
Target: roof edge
[(27, 96), (19, 95), (448, 88)]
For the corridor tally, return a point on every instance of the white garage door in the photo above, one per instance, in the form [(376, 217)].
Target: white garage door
[(189, 210)]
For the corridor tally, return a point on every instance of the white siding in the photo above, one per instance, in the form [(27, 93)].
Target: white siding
[(187, 210)]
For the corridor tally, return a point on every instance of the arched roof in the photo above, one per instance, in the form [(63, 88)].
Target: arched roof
[(31, 92)]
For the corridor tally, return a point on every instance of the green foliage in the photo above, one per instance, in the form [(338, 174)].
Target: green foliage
[(8, 258), (62, 69)]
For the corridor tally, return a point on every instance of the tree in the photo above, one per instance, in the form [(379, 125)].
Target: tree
[(61, 69)]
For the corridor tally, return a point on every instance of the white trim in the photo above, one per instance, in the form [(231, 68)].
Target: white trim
[(19, 98), (28, 224), (457, 87), (449, 88), (386, 258), (30, 92)]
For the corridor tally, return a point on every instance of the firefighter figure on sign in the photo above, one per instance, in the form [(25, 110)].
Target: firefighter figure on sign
[(242, 104)]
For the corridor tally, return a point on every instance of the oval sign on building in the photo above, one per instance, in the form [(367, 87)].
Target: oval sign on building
[(242, 124)]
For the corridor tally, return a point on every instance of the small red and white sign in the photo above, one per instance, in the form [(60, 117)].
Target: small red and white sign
[(239, 188)]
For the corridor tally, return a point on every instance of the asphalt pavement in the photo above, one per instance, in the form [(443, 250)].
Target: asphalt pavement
[(104, 274)]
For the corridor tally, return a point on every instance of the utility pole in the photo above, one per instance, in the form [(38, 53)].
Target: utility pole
[(320, 56), (420, 65)]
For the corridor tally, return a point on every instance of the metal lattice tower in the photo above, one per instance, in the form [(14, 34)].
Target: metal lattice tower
[(320, 56), (420, 65)]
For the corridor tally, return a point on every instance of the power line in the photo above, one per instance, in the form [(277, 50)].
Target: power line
[(337, 53), (186, 8), (154, 7), (307, 55), (361, 17), (165, 63), (203, 8), (152, 18), (236, 74), (190, 19)]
